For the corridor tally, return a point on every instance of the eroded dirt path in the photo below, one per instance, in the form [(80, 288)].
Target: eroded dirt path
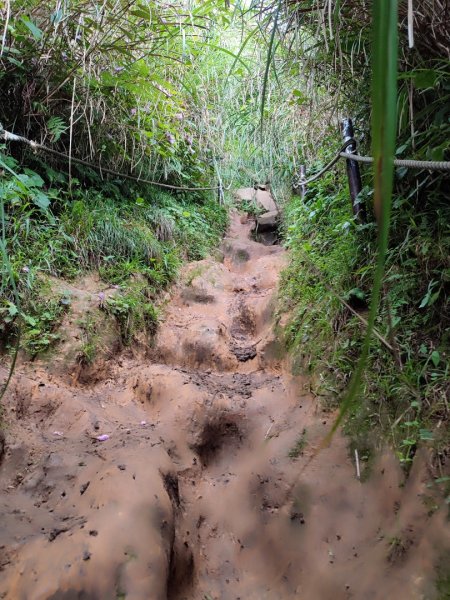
[(194, 495)]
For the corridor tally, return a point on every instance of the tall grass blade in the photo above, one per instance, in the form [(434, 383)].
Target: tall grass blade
[(6, 266), (268, 63), (384, 114), (237, 57)]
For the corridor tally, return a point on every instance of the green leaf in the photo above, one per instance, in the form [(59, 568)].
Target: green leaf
[(408, 442), (425, 79), (41, 200), (33, 332), (299, 97), (57, 127), (435, 358), (35, 31), (34, 179), (401, 149), (12, 309), (142, 12), (438, 152), (425, 300), (241, 49), (443, 479), (26, 180), (30, 320), (14, 62), (355, 293), (425, 435), (429, 297), (434, 297), (236, 57)]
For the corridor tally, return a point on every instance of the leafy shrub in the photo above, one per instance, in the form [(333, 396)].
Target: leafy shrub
[(404, 390), (144, 236)]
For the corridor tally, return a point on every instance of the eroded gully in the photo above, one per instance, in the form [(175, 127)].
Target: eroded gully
[(194, 495)]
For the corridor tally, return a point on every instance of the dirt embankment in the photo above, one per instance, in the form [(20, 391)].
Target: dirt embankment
[(200, 491)]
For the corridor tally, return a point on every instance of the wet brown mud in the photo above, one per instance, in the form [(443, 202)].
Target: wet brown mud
[(203, 489)]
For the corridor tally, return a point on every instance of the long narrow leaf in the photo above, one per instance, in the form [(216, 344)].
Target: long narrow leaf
[(268, 63), (384, 114)]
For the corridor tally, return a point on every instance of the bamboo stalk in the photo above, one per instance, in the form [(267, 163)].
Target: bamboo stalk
[(410, 24)]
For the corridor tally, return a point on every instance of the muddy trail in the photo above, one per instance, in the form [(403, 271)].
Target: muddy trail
[(200, 491)]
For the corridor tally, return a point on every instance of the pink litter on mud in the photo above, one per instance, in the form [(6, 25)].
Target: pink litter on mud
[(102, 438)]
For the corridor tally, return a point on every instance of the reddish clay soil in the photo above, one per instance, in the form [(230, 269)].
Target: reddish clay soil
[(194, 495)]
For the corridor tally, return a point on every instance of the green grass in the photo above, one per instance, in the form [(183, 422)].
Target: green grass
[(251, 207), (193, 273), (299, 446), (137, 242), (90, 331), (44, 313), (443, 577), (404, 393), (134, 312)]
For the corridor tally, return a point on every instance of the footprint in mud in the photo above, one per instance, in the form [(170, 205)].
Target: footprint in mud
[(244, 322), (217, 429)]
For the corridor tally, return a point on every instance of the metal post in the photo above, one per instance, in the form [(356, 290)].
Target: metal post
[(353, 174)]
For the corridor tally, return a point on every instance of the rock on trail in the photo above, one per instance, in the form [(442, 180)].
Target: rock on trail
[(203, 488)]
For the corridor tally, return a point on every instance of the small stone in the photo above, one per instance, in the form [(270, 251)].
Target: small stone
[(86, 555)]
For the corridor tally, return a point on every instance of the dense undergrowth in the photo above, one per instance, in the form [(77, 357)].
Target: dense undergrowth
[(135, 238), (332, 256), (114, 86), (404, 396)]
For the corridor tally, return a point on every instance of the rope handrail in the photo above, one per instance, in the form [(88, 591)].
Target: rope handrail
[(12, 137), (328, 166), (432, 165), (408, 163)]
